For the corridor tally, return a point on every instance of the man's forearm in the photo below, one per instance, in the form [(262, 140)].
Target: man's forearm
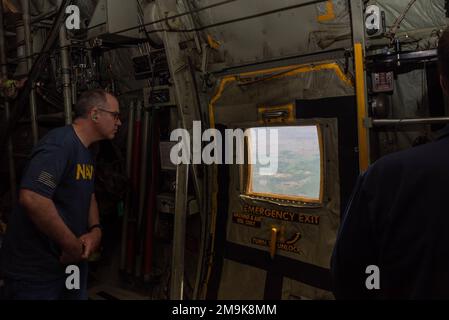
[(92, 239), (42, 211)]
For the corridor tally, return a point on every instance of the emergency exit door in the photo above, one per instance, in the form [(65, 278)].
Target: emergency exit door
[(271, 245)]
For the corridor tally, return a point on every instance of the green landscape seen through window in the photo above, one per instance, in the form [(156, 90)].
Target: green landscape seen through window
[(298, 172)]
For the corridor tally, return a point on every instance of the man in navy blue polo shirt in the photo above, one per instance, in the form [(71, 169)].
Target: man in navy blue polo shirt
[(56, 221), (394, 239)]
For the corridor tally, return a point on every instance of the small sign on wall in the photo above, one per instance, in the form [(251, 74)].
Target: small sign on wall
[(326, 11)]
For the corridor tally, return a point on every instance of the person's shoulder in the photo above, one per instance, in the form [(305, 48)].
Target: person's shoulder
[(426, 156), (59, 137), (59, 140)]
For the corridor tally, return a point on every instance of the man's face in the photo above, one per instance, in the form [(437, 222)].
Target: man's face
[(108, 120)]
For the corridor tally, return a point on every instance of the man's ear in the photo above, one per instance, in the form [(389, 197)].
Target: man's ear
[(444, 85), (94, 115)]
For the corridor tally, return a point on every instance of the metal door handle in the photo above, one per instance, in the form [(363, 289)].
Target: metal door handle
[(273, 242)]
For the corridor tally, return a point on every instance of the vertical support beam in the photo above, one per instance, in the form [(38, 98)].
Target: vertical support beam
[(179, 233), (358, 35), (142, 190), (129, 154), (362, 112), (188, 108), (188, 111), (129, 141), (29, 52), (143, 163), (4, 75), (64, 43)]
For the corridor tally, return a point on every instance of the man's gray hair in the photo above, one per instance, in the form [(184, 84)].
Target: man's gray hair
[(88, 100)]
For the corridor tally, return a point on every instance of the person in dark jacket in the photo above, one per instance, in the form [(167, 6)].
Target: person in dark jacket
[(393, 242)]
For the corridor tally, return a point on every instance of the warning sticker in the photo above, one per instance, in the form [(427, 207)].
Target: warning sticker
[(246, 219), (282, 215), (284, 246)]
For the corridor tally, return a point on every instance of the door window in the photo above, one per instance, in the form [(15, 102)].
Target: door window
[(295, 173)]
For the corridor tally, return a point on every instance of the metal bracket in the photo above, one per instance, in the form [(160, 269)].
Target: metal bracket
[(368, 122)]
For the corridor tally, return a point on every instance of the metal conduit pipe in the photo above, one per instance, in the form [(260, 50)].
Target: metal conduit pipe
[(41, 17), (74, 97), (4, 75), (129, 154), (44, 16), (29, 51), (143, 161), (66, 71), (179, 233), (142, 190), (153, 163), (134, 196), (403, 122)]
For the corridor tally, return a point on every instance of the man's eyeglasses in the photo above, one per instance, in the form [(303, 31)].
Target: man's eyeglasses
[(115, 115)]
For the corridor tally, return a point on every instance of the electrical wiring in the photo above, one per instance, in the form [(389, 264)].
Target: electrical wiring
[(143, 27), (392, 33), (202, 28), (166, 19), (22, 101), (221, 23)]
